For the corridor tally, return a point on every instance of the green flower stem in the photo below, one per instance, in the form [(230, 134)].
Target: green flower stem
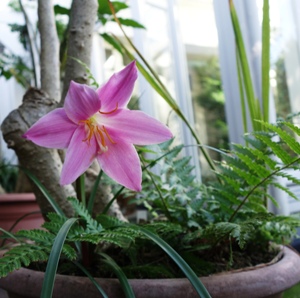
[(80, 189)]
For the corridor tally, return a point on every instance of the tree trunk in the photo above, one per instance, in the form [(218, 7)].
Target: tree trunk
[(81, 27)]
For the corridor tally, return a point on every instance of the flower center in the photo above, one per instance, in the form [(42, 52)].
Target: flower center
[(93, 128)]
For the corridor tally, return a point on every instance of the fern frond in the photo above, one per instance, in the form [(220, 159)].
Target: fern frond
[(55, 222), (232, 183), (271, 163), (182, 162), (82, 211), (108, 221), (22, 255), (293, 127), (289, 177), (275, 148), (121, 237), (86, 237), (253, 165), (286, 190), (285, 137), (165, 229), (39, 236)]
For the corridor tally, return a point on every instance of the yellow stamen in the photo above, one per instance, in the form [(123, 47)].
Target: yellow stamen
[(101, 137), (108, 136), (93, 129)]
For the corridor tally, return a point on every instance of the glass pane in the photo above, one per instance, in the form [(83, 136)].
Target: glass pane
[(197, 24)]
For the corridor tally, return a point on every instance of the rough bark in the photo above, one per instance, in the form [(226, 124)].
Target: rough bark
[(44, 163), (82, 21), (49, 58)]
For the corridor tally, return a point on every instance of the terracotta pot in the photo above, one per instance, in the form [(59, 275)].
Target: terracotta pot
[(15, 205), (264, 281)]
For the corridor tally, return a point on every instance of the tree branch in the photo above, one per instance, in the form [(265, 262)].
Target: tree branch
[(49, 58), (31, 50)]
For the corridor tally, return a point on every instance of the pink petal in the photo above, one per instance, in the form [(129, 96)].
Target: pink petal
[(79, 156), (81, 102), (121, 163), (135, 127), (118, 89), (54, 130)]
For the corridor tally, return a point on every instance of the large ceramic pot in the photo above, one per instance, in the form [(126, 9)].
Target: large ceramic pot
[(268, 280), (13, 206)]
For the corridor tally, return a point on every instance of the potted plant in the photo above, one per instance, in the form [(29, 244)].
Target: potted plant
[(197, 226)]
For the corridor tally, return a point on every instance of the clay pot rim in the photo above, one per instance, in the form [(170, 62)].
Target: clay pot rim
[(265, 281), (17, 197)]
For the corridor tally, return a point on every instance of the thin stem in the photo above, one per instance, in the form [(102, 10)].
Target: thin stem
[(112, 200), (167, 212), (258, 185), (30, 42), (93, 193)]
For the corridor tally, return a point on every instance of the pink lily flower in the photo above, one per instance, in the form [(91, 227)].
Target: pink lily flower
[(96, 124)]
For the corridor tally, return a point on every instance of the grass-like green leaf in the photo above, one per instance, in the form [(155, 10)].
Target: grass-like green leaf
[(120, 274), (48, 283), (245, 69), (44, 191), (265, 60), (83, 269), (113, 42)]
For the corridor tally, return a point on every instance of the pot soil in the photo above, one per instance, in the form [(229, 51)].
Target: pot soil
[(266, 280)]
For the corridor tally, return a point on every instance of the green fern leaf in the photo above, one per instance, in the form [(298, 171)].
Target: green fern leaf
[(293, 127), (264, 157), (276, 149), (253, 165), (39, 236), (91, 223), (286, 190), (21, 255), (286, 138), (108, 221), (289, 177)]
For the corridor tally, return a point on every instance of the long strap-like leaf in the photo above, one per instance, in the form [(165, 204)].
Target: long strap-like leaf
[(120, 274), (265, 60), (253, 104), (48, 283)]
